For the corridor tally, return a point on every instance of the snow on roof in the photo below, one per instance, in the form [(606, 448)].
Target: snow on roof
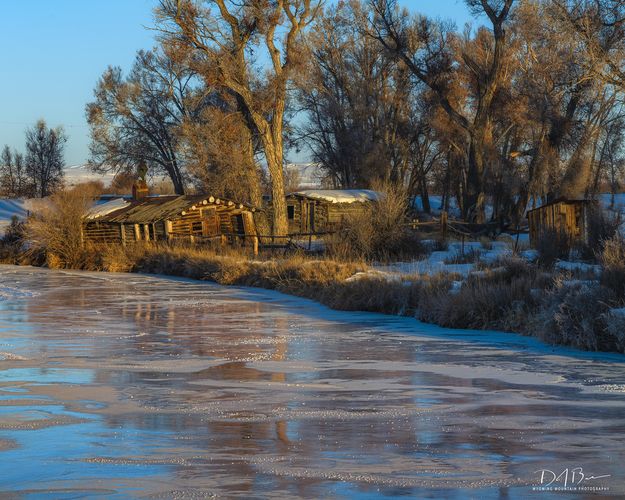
[(340, 195), (102, 209)]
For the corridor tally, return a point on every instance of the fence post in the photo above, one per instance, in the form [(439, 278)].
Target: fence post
[(444, 224)]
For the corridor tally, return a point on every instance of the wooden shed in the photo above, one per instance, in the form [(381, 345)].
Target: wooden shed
[(321, 210), (161, 218), (563, 216)]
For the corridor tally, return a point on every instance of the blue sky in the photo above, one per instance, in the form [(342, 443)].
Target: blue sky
[(53, 52)]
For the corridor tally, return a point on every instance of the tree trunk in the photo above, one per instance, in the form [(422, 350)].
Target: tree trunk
[(256, 195), (274, 164), (474, 195), (178, 184), (425, 197)]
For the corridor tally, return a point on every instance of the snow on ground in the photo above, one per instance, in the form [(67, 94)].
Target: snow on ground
[(566, 265), (436, 206), (18, 207), (340, 195), (10, 209), (440, 261)]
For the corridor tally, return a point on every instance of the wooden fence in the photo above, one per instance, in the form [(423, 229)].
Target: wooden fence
[(442, 225)]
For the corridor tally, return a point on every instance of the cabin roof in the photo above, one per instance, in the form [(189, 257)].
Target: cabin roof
[(155, 209), (339, 195), (569, 201)]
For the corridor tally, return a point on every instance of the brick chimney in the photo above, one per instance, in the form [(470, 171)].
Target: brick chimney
[(139, 190)]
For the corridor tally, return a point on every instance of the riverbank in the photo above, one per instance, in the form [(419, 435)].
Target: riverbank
[(572, 307)]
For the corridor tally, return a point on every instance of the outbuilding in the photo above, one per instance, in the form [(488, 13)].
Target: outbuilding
[(321, 210), (567, 217)]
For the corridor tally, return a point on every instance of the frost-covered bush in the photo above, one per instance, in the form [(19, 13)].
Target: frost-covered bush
[(615, 327), (575, 314), (613, 261)]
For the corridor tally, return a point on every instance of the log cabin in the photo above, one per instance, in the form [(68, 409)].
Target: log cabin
[(321, 210), (195, 218), (569, 217)]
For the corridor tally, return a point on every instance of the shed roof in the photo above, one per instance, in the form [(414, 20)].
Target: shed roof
[(339, 195), (155, 209), (570, 201)]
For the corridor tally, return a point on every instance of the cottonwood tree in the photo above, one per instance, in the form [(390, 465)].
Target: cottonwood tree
[(231, 36), (565, 108), (423, 45), (44, 160), (600, 26), (136, 119)]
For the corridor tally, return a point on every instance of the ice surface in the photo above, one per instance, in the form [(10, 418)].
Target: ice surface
[(128, 385)]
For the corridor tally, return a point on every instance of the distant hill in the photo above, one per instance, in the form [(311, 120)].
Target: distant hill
[(77, 174)]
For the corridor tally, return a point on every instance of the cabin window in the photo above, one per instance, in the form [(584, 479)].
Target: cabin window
[(196, 227), (290, 212)]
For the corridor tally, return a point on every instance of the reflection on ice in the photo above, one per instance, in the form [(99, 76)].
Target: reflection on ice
[(166, 387)]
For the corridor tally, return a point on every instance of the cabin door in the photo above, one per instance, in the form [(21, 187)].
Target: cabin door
[(210, 222), (308, 217)]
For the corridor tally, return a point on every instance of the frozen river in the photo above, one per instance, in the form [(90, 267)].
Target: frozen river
[(129, 385)]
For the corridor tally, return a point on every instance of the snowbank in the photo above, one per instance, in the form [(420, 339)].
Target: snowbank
[(17, 207)]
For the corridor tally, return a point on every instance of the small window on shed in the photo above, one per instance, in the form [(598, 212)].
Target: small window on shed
[(290, 211)]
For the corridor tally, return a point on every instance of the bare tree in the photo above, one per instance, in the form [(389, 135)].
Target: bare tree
[(600, 26), (423, 46), (226, 34), (358, 100), (45, 157), (136, 119)]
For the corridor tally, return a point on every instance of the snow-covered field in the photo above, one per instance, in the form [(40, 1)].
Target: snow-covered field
[(128, 385)]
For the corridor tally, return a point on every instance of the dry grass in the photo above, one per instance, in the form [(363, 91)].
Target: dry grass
[(469, 256)]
